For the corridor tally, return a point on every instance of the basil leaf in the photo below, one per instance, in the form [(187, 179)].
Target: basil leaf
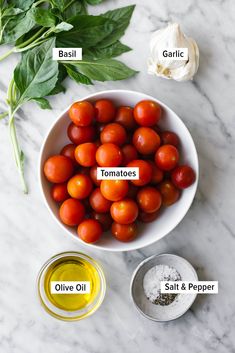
[(94, 2), (111, 51), (87, 31), (104, 69), (122, 18), (43, 103), (21, 4), (62, 74), (77, 76), (10, 12), (62, 27), (43, 17), (17, 26), (76, 8), (36, 75)]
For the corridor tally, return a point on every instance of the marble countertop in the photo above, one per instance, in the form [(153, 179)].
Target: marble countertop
[(205, 237)]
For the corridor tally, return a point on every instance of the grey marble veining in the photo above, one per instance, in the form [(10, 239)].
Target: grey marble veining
[(206, 236)]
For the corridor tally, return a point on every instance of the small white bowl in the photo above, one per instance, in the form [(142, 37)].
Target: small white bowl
[(170, 217), (182, 302)]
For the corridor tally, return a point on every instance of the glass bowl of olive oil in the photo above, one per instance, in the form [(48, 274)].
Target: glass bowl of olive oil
[(71, 286)]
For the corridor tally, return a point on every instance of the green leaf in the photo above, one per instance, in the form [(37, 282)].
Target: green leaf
[(59, 88), (111, 51), (62, 27), (74, 9), (94, 2), (43, 103), (10, 12), (87, 32), (122, 17), (43, 17), (104, 69), (36, 75), (77, 76), (17, 26), (21, 4)]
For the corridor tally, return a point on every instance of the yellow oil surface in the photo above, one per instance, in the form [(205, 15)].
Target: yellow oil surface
[(72, 269)]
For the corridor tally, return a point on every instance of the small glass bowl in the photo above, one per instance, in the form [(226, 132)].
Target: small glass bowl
[(68, 315)]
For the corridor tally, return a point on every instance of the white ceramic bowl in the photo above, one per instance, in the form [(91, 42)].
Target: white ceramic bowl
[(170, 217)]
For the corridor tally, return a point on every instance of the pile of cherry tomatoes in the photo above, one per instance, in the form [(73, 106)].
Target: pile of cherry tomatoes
[(106, 136)]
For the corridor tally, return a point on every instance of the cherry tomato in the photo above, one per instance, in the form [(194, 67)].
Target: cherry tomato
[(105, 111), (58, 169), (98, 202), (149, 199), (147, 217), (68, 151), (79, 186), (85, 154), (124, 211), (109, 155), (90, 230), (80, 134), (129, 153), (183, 176), (114, 190), (146, 140), (157, 175), (59, 192), (167, 157), (170, 194), (145, 172), (169, 138), (125, 117), (104, 219), (93, 175), (113, 133), (147, 113), (82, 113), (132, 192), (72, 212), (124, 232)]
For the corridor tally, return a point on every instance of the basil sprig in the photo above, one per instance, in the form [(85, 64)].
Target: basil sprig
[(33, 28)]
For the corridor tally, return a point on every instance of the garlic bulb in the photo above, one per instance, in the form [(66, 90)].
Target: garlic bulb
[(168, 67)]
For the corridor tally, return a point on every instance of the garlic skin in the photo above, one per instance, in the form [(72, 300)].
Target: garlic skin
[(169, 68)]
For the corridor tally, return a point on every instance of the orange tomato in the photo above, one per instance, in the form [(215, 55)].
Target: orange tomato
[(58, 169), (113, 133), (149, 199), (146, 140), (124, 232), (90, 230), (109, 155), (72, 212), (114, 190), (85, 154), (167, 157), (82, 113), (98, 202), (79, 186), (147, 113), (59, 192), (105, 110), (124, 211)]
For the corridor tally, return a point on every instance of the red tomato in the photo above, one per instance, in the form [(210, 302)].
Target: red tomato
[(93, 175), (167, 157), (183, 176), (149, 199), (80, 134), (124, 211), (129, 153), (124, 232), (125, 117), (82, 113), (113, 133), (147, 113), (68, 151), (98, 202), (148, 217), (109, 155), (157, 175), (114, 190), (145, 171), (72, 212), (105, 111), (146, 140), (169, 193), (104, 219), (58, 169), (79, 186), (90, 230), (169, 138), (59, 192), (85, 154)]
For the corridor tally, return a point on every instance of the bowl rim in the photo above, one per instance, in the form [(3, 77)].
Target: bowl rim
[(94, 245), (141, 264)]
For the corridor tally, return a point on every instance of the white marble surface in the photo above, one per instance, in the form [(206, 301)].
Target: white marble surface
[(206, 236)]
